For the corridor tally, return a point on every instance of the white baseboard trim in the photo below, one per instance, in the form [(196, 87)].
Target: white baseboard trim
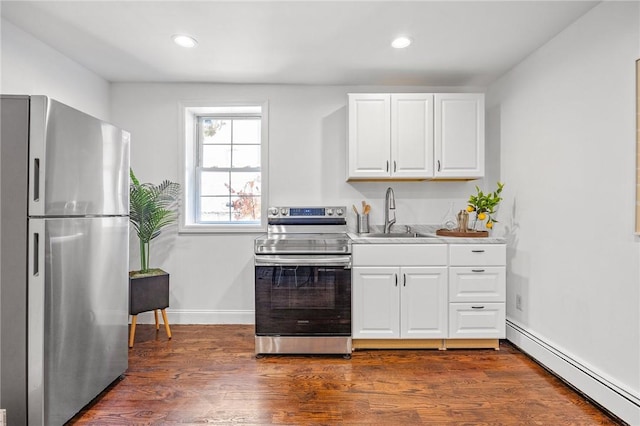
[(612, 397), (184, 316)]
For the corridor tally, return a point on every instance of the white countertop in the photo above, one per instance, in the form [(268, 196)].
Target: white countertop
[(429, 230)]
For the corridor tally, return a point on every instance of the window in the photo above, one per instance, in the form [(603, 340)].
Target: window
[(224, 168)]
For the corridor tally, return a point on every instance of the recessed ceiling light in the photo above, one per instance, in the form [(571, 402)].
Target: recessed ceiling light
[(184, 40), (401, 42)]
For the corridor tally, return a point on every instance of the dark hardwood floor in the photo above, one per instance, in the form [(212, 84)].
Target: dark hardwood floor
[(209, 374)]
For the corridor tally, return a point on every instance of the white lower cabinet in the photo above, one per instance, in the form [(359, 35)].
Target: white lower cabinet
[(421, 309), (476, 320), (473, 284), (477, 291), (415, 293), (401, 300), (376, 303)]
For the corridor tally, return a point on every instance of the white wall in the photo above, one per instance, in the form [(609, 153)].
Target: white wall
[(30, 67), (212, 275), (565, 121)]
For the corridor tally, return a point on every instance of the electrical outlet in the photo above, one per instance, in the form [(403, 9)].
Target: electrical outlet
[(518, 302)]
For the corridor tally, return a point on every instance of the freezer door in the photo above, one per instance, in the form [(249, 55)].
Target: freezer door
[(78, 313), (78, 165)]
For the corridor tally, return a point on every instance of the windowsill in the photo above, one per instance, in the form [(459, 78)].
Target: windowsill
[(221, 229)]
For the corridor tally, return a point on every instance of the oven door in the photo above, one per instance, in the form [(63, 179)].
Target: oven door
[(303, 295)]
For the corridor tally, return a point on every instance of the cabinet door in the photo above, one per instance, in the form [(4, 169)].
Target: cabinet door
[(412, 135), (369, 144), (459, 135), (375, 298), (423, 302)]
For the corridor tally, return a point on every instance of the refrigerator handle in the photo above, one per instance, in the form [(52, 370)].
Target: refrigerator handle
[(36, 254), (36, 179), (35, 321)]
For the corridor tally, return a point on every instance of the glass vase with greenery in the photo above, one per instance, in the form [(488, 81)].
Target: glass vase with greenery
[(151, 208)]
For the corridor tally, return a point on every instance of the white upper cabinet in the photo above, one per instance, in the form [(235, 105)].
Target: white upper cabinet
[(390, 136), (459, 135), (369, 135), (411, 135)]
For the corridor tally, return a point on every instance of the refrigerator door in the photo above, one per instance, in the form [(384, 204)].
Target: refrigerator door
[(78, 290), (78, 165)]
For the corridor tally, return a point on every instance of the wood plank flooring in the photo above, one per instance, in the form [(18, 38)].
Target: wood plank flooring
[(209, 374)]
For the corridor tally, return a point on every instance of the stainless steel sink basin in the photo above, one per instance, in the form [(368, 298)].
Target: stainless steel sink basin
[(397, 235)]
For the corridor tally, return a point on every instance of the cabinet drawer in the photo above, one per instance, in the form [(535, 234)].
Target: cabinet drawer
[(477, 254), (477, 320), (477, 284), (399, 254)]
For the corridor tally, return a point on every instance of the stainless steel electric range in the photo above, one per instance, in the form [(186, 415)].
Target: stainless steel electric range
[(303, 282)]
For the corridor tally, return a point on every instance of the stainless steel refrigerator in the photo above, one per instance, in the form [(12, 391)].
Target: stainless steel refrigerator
[(64, 229)]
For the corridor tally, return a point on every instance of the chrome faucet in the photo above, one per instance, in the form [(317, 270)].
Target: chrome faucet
[(389, 207)]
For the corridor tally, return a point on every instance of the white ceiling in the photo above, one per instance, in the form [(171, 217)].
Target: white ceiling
[(455, 43)]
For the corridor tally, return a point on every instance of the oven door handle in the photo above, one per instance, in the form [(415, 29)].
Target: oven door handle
[(337, 261)]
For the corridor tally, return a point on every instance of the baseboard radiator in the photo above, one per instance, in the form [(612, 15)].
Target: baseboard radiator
[(608, 395)]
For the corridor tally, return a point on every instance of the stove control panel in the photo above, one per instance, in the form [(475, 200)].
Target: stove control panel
[(307, 212)]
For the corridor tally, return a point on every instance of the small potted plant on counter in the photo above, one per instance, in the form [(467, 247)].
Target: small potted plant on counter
[(152, 208), (485, 205)]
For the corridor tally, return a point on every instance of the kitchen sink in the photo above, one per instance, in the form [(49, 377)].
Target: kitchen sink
[(397, 235)]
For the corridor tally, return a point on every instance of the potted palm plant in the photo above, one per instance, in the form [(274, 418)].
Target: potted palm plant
[(151, 208)]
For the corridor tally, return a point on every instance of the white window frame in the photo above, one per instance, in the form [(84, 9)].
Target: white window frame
[(188, 163)]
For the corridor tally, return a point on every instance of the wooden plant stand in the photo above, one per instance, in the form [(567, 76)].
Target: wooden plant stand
[(148, 293)]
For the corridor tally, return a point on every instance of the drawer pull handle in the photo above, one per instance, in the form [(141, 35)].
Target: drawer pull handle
[(396, 275), (477, 270), (477, 251), (477, 307)]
